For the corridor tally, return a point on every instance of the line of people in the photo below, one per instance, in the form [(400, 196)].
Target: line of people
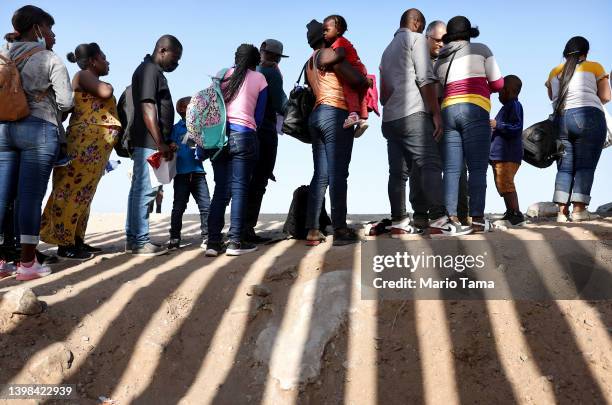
[(435, 90)]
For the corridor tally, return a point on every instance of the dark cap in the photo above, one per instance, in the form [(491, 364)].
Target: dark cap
[(459, 27), (314, 32), (273, 46)]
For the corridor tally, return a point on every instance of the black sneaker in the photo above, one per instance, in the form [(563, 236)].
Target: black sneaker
[(516, 218), (149, 249), (240, 248), (46, 259), (345, 236), (88, 248), (252, 237), (73, 253), (214, 249), (173, 244)]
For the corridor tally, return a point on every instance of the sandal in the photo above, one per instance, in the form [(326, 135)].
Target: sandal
[(316, 242)]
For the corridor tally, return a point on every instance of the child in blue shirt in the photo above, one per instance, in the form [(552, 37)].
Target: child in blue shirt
[(190, 179), (506, 151)]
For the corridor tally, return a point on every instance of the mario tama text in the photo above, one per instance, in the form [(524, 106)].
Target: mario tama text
[(405, 261), (476, 270)]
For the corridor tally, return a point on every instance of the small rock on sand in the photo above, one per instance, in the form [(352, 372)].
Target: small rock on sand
[(21, 301)]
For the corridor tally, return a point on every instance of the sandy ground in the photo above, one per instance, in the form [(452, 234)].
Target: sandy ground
[(181, 328)]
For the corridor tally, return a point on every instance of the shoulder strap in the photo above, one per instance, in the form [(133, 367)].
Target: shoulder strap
[(301, 74), (449, 67), (27, 54)]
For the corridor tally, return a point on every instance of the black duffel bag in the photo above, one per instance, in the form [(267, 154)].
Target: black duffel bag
[(299, 106), (541, 144)]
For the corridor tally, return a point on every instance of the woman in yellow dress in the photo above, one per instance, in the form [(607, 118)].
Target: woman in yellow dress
[(91, 135)]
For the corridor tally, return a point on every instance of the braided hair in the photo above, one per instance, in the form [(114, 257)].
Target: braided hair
[(575, 48), (83, 53), (247, 57)]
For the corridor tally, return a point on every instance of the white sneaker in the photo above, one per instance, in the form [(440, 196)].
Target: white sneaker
[(403, 227), (444, 226), (37, 270), (204, 245)]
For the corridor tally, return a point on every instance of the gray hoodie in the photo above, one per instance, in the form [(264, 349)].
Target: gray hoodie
[(43, 71)]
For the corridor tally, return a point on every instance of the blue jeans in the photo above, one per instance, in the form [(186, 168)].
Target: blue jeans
[(184, 185), (467, 137), (263, 171), (583, 132), (410, 143), (28, 149), (140, 196), (332, 147), (233, 169)]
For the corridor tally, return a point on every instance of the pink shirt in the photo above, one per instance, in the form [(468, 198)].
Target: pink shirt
[(241, 110)]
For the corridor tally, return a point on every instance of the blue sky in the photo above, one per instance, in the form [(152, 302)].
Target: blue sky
[(527, 38)]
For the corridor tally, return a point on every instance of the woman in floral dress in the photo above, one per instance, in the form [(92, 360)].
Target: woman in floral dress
[(92, 133)]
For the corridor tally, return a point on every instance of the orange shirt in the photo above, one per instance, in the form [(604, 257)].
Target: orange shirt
[(325, 86)]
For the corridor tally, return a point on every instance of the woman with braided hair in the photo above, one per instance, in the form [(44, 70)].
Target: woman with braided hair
[(245, 93), (578, 89)]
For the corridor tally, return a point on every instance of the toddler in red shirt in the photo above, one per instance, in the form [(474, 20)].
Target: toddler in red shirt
[(334, 28)]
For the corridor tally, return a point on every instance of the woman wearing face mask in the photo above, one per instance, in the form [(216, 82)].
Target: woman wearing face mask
[(28, 147), (92, 133)]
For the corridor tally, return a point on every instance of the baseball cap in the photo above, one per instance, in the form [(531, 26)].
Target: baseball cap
[(273, 46)]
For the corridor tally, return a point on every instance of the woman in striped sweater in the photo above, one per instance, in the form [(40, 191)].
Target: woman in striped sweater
[(469, 74)]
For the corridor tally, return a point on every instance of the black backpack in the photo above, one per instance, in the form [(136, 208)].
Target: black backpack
[(299, 106), (125, 110), (295, 224), (541, 145)]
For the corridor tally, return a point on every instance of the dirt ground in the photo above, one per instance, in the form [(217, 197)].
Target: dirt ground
[(181, 329)]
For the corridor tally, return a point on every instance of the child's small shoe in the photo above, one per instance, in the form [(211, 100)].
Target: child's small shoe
[(352, 120), (361, 128)]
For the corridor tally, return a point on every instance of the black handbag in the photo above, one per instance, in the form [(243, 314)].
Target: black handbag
[(299, 106), (541, 144)]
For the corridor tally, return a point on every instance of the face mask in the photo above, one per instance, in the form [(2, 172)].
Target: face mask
[(40, 39)]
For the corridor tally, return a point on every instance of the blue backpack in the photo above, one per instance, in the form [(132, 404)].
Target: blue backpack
[(206, 118)]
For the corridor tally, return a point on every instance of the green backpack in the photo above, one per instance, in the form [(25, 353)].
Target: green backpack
[(206, 117)]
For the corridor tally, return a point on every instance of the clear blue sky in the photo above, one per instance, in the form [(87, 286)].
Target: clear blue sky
[(527, 38)]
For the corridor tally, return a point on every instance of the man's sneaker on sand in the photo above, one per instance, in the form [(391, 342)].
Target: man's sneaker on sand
[(148, 250), (240, 248), (376, 228), (73, 253), (34, 271), (173, 244), (403, 227), (6, 269), (214, 249), (444, 226), (516, 218), (204, 245)]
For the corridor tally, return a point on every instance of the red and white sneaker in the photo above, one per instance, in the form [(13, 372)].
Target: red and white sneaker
[(34, 271), (352, 120), (403, 227), (6, 269), (444, 226)]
